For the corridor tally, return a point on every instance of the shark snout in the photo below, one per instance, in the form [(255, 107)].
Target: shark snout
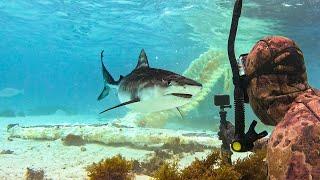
[(193, 86), (190, 82), (197, 84), (194, 89)]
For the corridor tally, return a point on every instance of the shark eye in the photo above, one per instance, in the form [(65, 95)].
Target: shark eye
[(167, 82)]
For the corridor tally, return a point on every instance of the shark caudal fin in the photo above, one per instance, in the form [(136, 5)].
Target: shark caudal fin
[(105, 73), (108, 79), (104, 93)]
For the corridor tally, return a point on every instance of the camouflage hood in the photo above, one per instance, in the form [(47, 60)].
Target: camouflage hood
[(277, 73)]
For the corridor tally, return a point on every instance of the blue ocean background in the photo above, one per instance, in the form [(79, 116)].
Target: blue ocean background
[(50, 48)]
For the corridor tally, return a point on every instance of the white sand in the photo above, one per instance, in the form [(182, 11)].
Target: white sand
[(59, 161)]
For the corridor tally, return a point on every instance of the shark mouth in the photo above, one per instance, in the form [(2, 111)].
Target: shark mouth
[(182, 95)]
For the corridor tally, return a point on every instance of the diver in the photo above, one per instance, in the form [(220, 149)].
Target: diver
[(273, 79), (280, 96)]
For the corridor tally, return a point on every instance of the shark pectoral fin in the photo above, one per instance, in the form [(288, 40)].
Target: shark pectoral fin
[(122, 104), (104, 92)]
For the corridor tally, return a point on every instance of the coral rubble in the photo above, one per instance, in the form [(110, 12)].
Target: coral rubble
[(141, 138), (73, 140), (6, 152), (178, 147), (32, 174)]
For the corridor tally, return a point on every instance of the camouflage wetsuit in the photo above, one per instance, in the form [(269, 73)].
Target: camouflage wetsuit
[(280, 95)]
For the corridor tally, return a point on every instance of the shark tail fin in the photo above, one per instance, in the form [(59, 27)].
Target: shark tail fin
[(106, 75), (104, 92), (108, 80)]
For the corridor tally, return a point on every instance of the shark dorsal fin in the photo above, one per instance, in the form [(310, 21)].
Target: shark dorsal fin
[(143, 60)]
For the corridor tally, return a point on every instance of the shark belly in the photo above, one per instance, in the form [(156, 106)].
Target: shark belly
[(158, 104), (152, 100)]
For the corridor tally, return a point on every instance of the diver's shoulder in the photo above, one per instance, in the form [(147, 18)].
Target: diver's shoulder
[(309, 95), (305, 106)]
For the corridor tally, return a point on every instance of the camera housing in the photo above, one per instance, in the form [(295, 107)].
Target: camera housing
[(221, 100)]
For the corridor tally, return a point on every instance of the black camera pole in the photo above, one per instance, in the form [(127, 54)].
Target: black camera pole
[(225, 133), (226, 128), (242, 142), (238, 91)]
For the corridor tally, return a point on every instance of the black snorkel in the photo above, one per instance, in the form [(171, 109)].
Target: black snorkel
[(242, 142)]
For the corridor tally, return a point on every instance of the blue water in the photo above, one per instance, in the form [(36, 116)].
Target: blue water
[(50, 48)]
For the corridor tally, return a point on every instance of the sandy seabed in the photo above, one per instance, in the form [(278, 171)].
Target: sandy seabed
[(64, 162), (57, 161)]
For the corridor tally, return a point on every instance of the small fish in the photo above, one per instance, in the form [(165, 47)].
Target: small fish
[(148, 89), (10, 92)]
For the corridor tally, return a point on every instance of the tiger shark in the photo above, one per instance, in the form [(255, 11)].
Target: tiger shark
[(148, 89)]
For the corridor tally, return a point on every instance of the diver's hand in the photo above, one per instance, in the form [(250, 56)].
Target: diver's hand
[(247, 143), (251, 136)]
